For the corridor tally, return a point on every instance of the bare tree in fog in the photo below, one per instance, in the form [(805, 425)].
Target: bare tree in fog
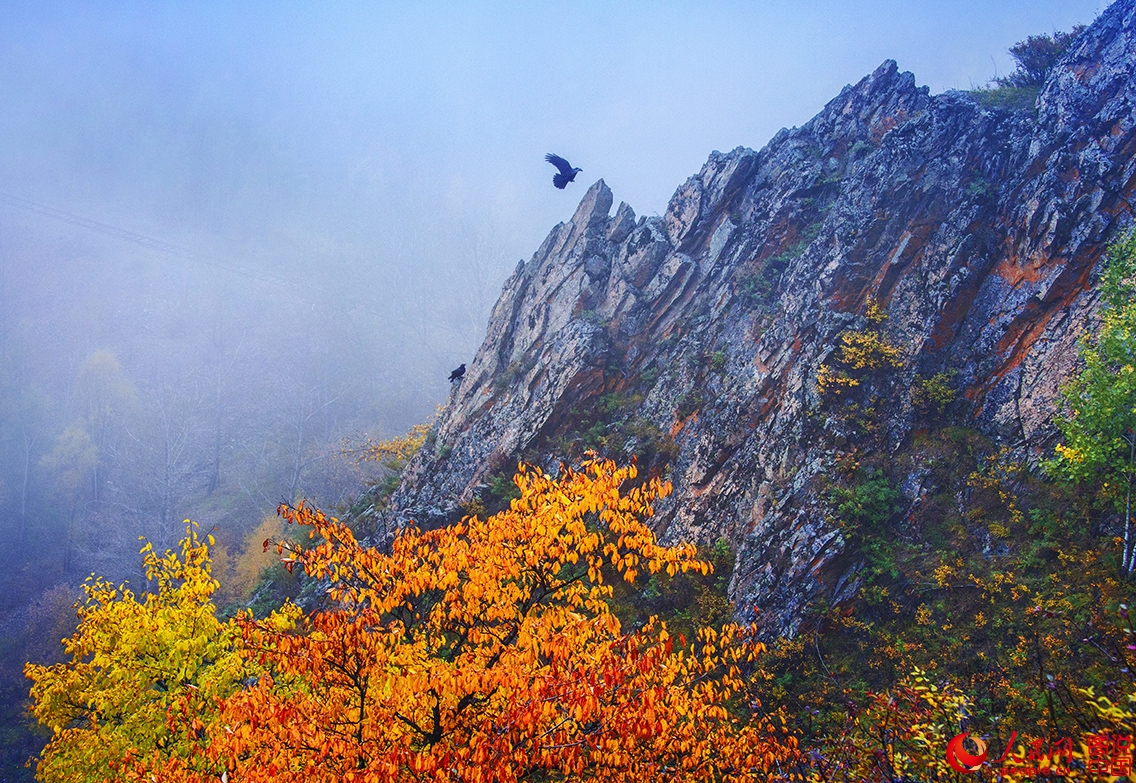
[(72, 463), (222, 368), (103, 396), (23, 412), (162, 465), (310, 408), (29, 412)]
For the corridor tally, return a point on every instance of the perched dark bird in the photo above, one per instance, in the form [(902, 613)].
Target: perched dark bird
[(567, 173), (457, 374)]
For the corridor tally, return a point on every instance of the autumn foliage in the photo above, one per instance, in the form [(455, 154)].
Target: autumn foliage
[(483, 651), (144, 676)]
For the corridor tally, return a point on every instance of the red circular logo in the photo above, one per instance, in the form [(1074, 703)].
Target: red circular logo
[(960, 758)]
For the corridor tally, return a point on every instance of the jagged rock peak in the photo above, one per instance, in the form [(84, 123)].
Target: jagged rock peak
[(876, 104), (592, 213)]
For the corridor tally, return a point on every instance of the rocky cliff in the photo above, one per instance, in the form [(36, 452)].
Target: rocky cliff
[(695, 339)]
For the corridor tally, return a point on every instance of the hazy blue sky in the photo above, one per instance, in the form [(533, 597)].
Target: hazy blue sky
[(397, 140), (179, 106)]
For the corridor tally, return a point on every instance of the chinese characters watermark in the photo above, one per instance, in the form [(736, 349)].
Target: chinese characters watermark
[(1106, 755)]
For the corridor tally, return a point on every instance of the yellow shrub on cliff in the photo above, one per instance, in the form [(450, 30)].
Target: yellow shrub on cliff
[(861, 351)]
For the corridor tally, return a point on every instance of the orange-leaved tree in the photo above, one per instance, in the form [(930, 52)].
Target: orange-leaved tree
[(487, 651)]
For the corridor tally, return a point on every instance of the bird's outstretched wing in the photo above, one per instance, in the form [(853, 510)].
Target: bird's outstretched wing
[(559, 162)]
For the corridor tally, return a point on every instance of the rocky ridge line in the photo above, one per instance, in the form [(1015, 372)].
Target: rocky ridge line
[(976, 229)]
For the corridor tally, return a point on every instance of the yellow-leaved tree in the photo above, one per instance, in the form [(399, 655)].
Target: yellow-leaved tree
[(143, 676)]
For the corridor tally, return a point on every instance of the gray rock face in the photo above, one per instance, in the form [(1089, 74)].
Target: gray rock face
[(977, 230)]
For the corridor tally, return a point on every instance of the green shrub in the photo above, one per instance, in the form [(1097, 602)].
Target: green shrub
[(1036, 56), (931, 396), (690, 403), (864, 510), (1020, 98), (502, 488), (979, 187), (618, 402), (756, 287)]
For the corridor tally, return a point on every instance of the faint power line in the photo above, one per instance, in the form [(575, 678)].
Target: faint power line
[(136, 238)]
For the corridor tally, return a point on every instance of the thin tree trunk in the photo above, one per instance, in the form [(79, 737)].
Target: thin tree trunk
[(1128, 553), (215, 471), (166, 479), (1129, 560), (298, 466), (1126, 556), (28, 442), (69, 536)]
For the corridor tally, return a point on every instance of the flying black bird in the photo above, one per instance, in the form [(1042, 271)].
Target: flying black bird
[(567, 173), (457, 374)]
